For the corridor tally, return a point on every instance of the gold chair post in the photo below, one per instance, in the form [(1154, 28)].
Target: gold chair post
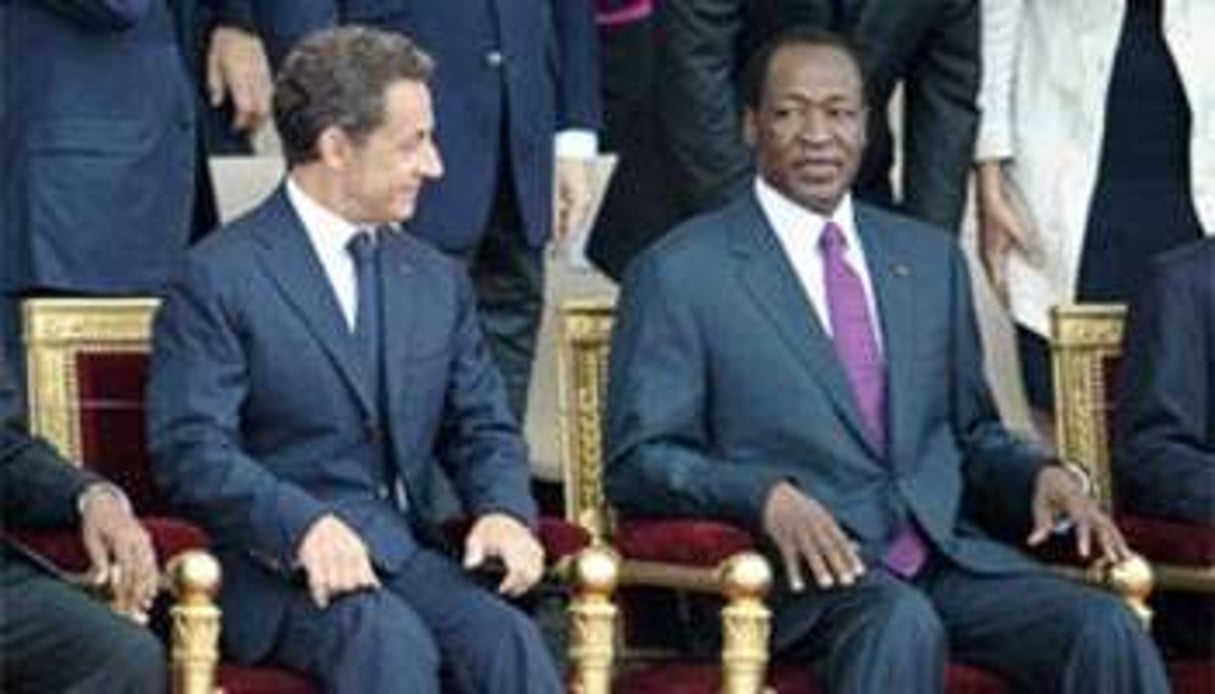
[(596, 570), (195, 578), (746, 623)]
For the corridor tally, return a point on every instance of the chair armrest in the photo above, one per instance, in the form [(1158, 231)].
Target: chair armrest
[(1182, 555)]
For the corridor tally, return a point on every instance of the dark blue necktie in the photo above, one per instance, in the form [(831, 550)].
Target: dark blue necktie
[(364, 249)]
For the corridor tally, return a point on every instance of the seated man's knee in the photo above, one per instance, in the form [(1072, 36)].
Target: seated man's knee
[(136, 661), (379, 623), (907, 615)]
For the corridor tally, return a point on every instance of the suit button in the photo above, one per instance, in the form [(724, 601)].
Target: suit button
[(383, 491), (495, 59)]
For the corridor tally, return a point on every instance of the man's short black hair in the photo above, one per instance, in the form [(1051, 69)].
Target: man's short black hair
[(756, 74)]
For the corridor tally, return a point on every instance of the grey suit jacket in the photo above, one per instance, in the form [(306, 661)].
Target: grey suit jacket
[(723, 383)]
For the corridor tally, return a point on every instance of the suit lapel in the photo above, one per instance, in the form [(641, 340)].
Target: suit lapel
[(891, 276), (773, 285), (399, 294), (288, 258)]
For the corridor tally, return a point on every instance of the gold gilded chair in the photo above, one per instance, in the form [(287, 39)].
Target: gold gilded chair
[(87, 368), (1086, 346)]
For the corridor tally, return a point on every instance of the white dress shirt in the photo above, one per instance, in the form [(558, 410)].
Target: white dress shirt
[(798, 230), (329, 234)]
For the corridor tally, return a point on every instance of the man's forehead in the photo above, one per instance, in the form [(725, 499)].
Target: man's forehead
[(796, 62)]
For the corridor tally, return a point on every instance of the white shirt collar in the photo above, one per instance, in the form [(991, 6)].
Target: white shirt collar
[(328, 234), (788, 217)]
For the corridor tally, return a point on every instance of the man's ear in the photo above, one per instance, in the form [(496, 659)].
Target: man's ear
[(334, 148), (750, 128)]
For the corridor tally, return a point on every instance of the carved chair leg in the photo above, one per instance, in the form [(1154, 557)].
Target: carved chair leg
[(746, 623), (595, 571), (194, 579)]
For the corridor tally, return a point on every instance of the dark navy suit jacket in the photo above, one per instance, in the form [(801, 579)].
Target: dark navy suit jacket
[(511, 73), (262, 420), (97, 136), (723, 383), (1165, 453)]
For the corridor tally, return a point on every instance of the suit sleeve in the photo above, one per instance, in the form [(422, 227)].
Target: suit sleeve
[(698, 105), (942, 117), (1001, 26), (1000, 470), (577, 44), (658, 461), (1165, 459), (480, 444), (38, 488), (197, 385), (101, 15)]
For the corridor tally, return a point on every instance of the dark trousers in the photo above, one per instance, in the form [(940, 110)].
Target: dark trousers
[(1040, 632), (53, 638), (430, 624)]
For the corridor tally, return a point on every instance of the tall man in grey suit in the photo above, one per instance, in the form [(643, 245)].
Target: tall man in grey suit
[(809, 367), (53, 637), (312, 368)]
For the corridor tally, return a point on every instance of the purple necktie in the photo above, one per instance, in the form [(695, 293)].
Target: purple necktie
[(852, 330)]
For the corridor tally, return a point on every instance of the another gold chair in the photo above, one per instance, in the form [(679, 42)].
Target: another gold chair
[(726, 564), (1086, 346), (85, 358), (87, 366)]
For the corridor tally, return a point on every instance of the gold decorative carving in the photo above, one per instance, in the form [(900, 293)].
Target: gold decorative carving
[(596, 570), (195, 579), (56, 331), (746, 623)]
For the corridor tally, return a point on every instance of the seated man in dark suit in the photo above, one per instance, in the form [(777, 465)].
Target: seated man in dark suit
[(810, 367), (312, 368), (53, 637), (1164, 454)]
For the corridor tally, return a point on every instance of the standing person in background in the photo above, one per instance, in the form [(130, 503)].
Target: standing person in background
[(638, 205), (1096, 151), (930, 47), (98, 136), (517, 94)]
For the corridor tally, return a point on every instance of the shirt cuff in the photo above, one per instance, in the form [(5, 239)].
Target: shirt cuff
[(102, 488), (576, 144)]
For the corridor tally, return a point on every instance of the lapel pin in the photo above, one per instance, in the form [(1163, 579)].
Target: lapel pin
[(900, 270)]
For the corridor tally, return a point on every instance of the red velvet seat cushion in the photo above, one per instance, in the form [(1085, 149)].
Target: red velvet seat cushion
[(686, 542), (705, 678), (1166, 541), (1192, 676), (240, 679), (64, 549)]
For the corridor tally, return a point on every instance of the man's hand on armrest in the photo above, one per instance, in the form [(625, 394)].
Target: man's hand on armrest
[(805, 532), (498, 535), (335, 560), (119, 548), (1060, 495)]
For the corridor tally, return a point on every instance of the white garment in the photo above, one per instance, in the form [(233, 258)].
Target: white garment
[(1047, 69), (799, 230), (329, 234)]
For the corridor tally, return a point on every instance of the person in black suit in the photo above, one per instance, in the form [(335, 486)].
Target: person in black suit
[(809, 366), (52, 636), (1164, 454), (930, 47)]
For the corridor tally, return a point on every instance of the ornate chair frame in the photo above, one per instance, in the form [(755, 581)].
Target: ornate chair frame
[(56, 332), (1084, 338), (742, 579)]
